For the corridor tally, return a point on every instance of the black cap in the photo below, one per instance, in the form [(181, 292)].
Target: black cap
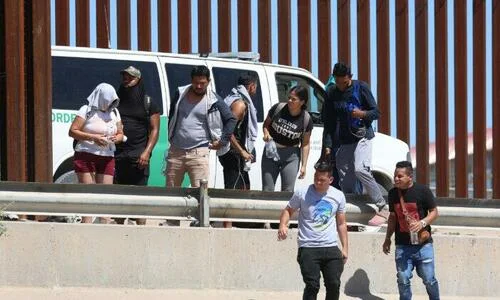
[(341, 69)]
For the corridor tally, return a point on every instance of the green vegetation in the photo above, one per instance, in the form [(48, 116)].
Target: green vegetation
[(3, 229)]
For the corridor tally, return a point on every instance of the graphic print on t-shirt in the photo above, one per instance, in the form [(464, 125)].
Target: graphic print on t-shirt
[(286, 128), (322, 214), (412, 211)]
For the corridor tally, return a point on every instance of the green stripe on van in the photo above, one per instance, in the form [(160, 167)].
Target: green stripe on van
[(158, 163), (156, 177)]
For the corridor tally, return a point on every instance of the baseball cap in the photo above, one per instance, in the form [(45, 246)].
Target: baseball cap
[(132, 71)]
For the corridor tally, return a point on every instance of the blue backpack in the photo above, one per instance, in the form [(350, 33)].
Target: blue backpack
[(357, 126)]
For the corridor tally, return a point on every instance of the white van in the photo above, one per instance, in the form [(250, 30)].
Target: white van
[(76, 72)]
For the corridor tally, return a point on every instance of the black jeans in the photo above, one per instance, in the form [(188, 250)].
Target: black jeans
[(235, 177), (127, 171), (326, 260)]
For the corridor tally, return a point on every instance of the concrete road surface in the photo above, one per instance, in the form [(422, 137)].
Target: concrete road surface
[(25, 293)]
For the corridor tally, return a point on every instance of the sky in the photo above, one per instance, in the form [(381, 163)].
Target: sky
[(314, 69)]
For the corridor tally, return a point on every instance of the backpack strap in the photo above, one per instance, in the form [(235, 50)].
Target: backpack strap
[(279, 107), (355, 92), (307, 118), (147, 104)]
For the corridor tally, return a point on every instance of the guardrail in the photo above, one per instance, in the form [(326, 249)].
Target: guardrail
[(202, 203)]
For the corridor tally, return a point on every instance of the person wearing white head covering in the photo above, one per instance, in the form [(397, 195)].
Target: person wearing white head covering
[(103, 98), (97, 128)]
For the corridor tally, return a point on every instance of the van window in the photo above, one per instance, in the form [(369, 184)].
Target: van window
[(178, 75), (74, 78), (226, 79), (317, 95)]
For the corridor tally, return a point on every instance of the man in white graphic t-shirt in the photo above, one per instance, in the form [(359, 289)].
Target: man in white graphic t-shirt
[(322, 224)]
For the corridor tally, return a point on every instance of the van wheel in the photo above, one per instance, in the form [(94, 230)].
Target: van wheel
[(67, 177), (65, 172)]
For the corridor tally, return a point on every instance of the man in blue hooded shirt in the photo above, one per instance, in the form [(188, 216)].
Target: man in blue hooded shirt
[(352, 103)]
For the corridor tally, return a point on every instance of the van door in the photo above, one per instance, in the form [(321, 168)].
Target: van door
[(225, 77), (281, 80)]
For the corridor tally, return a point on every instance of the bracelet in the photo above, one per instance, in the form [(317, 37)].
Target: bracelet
[(423, 223)]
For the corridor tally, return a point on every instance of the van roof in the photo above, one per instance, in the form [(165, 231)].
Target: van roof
[(211, 56)]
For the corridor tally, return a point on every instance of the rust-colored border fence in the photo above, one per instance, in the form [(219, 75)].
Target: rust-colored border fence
[(273, 23), (25, 91)]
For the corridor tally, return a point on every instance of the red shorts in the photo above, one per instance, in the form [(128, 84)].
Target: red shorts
[(84, 162)]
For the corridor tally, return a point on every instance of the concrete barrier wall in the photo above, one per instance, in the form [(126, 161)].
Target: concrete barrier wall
[(72, 255)]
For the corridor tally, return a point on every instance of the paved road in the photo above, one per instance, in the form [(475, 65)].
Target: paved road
[(21, 293)]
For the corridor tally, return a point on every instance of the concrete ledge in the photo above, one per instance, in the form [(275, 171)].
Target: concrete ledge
[(77, 255), (29, 293)]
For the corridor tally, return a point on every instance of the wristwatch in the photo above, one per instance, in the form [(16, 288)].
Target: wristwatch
[(424, 224)]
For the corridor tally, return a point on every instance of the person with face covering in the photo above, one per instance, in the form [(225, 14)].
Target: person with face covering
[(141, 122), (96, 128)]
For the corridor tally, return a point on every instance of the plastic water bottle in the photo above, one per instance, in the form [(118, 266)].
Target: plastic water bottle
[(414, 238), (248, 165), (272, 150)]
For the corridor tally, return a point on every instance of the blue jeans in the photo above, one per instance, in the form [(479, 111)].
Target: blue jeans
[(420, 257)]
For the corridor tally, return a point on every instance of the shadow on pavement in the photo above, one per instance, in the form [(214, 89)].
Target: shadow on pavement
[(359, 286)]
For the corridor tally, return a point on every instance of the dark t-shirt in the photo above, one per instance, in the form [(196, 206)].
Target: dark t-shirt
[(135, 120), (285, 129), (418, 200), (336, 108)]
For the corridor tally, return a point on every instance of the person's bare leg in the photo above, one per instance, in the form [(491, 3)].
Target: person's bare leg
[(104, 179), (86, 178)]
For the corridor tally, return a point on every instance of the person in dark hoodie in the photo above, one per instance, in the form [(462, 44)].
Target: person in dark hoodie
[(352, 103), (141, 122)]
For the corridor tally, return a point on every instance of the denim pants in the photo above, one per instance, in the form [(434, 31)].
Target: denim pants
[(420, 257), (326, 260), (235, 176)]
